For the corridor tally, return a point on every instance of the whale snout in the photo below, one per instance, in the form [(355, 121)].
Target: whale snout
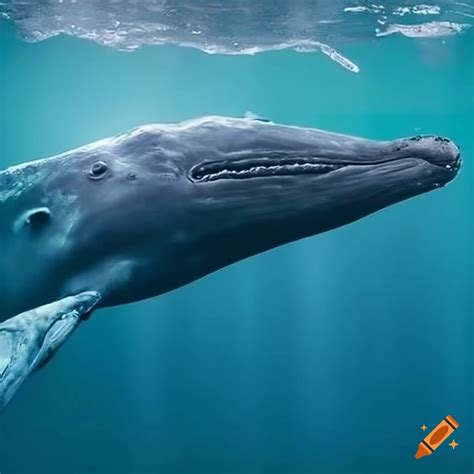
[(436, 150)]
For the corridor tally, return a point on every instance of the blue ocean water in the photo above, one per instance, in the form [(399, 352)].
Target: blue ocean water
[(323, 356)]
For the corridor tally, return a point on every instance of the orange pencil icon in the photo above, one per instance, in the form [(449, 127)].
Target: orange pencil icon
[(437, 437)]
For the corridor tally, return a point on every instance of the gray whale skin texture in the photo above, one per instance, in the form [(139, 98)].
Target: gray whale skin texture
[(136, 215)]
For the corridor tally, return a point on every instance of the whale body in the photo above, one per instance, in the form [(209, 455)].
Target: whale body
[(137, 215)]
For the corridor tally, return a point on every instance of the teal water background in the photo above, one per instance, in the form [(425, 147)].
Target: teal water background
[(324, 356)]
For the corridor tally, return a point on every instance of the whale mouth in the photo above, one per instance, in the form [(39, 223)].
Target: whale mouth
[(265, 167), (262, 167)]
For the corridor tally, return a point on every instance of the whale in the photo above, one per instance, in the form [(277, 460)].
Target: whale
[(147, 211)]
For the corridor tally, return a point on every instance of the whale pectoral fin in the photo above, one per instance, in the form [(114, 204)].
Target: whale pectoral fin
[(29, 340)]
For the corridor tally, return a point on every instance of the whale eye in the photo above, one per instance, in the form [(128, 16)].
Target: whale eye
[(98, 170)]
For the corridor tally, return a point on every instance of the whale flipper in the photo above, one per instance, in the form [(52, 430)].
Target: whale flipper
[(29, 340)]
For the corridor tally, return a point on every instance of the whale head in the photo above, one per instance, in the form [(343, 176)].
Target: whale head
[(150, 210)]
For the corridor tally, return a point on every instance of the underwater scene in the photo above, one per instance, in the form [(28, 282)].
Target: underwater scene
[(236, 237)]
